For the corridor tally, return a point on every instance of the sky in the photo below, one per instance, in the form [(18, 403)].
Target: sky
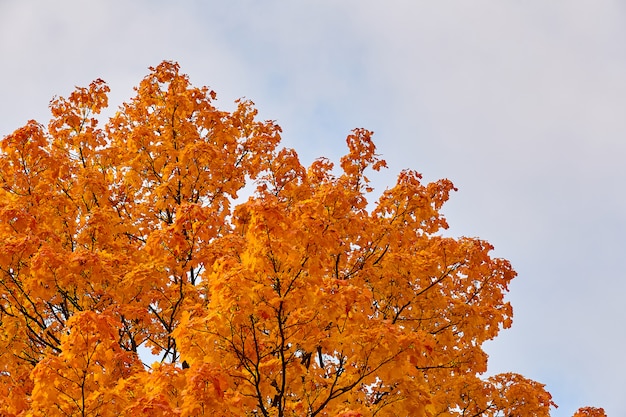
[(522, 104)]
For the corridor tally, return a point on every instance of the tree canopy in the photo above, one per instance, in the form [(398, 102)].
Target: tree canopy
[(264, 288)]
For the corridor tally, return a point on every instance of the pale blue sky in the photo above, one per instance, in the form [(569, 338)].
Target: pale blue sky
[(521, 104)]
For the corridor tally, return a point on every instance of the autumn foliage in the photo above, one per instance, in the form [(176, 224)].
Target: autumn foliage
[(303, 299), (590, 412)]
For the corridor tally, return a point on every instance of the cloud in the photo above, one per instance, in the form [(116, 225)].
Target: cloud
[(523, 108)]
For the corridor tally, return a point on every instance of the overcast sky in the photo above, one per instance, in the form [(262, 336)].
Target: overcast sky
[(522, 104)]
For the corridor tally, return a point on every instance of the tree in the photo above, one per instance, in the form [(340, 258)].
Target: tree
[(302, 300), (590, 412)]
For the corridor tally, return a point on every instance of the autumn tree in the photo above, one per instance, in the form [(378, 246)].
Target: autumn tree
[(590, 412), (265, 288)]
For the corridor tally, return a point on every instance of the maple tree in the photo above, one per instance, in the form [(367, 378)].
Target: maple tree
[(590, 412), (302, 300)]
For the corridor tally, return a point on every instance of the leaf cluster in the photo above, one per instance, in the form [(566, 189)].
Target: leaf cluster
[(303, 299)]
